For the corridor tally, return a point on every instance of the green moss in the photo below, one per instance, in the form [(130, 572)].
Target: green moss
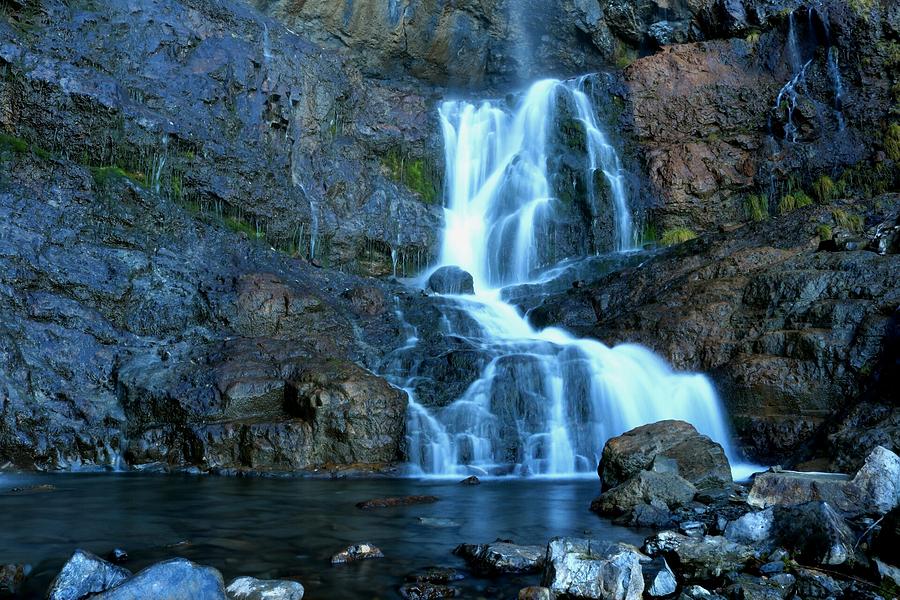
[(649, 233), (847, 220), (240, 226), (892, 141), (677, 235), (824, 232), (757, 207), (824, 189), (19, 146), (415, 173), (104, 175), (861, 7), (791, 202)]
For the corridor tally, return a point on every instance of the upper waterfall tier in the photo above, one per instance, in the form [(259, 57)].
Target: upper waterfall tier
[(504, 220)]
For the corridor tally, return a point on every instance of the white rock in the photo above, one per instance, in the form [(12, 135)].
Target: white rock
[(593, 569), (250, 588)]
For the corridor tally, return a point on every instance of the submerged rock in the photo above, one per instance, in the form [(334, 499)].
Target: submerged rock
[(699, 460), (178, 579), (451, 280), (593, 569), (396, 501), (700, 559), (435, 575), (647, 487), (356, 552), (438, 522), (472, 480), (11, 578), (427, 591), (85, 574), (250, 588), (502, 557)]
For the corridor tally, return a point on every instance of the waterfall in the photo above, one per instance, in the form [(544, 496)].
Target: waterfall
[(546, 402)]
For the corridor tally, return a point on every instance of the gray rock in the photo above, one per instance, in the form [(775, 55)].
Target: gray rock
[(757, 588), (700, 559), (594, 569), (84, 574), (700, 460), (659, 580), (451, 280), (176, 579), (356, 552), (875, 489), (815, 584), (250, 588), (752, 528), (888, 573), (696, 592), (423, 590), (435, 575), (502, 557), (662, 490)]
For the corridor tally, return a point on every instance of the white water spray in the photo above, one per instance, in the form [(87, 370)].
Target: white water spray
[(546, 402)]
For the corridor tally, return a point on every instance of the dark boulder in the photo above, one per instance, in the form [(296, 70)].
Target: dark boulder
[(11, 578), (502, 557), (699, 559), (700, 460), (660, 490), (396, 501), (887, 542), (451, 280)]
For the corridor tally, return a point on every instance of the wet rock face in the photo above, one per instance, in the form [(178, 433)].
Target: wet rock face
[(787, 332), (134, 334), (700, 559), (697, 458), (663, 490), (451, 280), (470, 44), (241, 119), (364, 551)]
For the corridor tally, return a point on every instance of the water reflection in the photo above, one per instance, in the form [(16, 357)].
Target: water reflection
[(285, 528)]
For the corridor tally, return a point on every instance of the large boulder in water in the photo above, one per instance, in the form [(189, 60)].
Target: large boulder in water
[(700, 460), (597, 569), (451, 280), (85, 574), (176, 579), (647, 487)]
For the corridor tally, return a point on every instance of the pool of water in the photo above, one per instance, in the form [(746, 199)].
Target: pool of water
[(286, 528)]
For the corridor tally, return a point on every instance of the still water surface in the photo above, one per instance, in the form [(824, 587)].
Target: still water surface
[(286, 528)]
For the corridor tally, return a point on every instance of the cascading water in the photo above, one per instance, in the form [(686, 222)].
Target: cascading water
[(546, 402)]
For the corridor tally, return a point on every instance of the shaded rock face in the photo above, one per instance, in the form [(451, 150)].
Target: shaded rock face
[(451, 280), (787, 332), (662, 490), (238, 118), (464, 44), (134, 334), (697, 458), (699, 559)]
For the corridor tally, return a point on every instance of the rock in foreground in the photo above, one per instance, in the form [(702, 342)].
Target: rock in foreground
[(249, 588), (700, 559), (700, 460), (502, 557), (176, 579), (647, 487), (85, 574), (593, 569)]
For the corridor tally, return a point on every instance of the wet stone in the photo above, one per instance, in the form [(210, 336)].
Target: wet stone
[(427, 591), (176, 578), (472, 480), (11, 578), (534, 593), (396, 501), (435, 575), (502, 557), (250, 588), (357, 552)]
